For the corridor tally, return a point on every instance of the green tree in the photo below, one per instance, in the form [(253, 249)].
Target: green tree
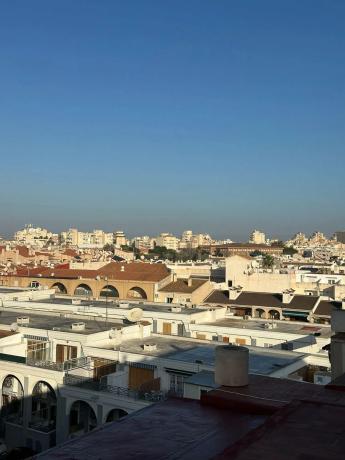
[(109, 247), (290, 251), (268, 261)]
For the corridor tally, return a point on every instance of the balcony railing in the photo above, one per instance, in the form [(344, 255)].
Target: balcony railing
[(61, 367), (120, 392)]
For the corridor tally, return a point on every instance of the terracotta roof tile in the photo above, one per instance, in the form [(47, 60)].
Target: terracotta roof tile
[(182, 286), (326, 307), (218, 297)]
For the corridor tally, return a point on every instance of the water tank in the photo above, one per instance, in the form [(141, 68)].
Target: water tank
[(232, 365)]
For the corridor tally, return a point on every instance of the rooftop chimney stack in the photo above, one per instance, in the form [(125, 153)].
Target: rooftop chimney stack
[(232, 366), (288, 296), (234, 292)]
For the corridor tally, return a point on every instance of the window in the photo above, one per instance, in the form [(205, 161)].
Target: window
[(38, 350), (176, 384), (240, 341)]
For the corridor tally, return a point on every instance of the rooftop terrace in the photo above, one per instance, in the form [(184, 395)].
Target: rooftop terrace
[(55, 322), (287, 327), (261, 361)]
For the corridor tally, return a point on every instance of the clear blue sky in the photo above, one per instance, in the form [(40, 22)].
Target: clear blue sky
[(150, 116)]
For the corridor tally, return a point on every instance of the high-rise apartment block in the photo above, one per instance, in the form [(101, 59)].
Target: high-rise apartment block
[(258, 237)]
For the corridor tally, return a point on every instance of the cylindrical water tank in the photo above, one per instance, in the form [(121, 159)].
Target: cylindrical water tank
[(232, 366)]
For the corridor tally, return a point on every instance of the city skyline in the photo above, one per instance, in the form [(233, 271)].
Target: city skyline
[(114, 228), (214, 117)]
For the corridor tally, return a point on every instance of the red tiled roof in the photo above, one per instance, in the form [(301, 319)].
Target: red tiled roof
[(113, 270), (301, 302), (23, 251), (258, 299), (218, 297), (182, 286), (70, 252), (326, 307)]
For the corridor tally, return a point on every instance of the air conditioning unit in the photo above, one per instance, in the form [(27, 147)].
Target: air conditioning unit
[(23, 320), (78, 326)]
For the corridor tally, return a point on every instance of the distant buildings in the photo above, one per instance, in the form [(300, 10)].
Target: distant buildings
[(257, 237), (95, 239), (35, 236), (168, 240), (120, 239), (340, 237)]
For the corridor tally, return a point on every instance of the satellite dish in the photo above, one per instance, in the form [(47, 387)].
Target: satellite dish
[(134, 315), (14, 327)]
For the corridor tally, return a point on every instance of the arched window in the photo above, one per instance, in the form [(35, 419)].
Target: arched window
[(109, 292), (82, 418), (83, 290), (273, 314), (115, 414), (43, 415), (259, 313), (136, 293), (60, 288), (12, 400)]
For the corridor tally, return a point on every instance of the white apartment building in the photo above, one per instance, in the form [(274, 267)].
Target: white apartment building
[(35, 236), (245, 272), (168, 240), (119, 239), (85, 240), (258, 237), (68, 366), (144, 243), (190, 240)]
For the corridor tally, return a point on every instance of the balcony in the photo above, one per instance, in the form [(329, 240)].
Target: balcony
[(61, 367), (120, 392)]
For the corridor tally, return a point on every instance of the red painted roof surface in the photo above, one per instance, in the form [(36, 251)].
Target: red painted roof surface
[(174, 429), (270, 419), (113, 270)]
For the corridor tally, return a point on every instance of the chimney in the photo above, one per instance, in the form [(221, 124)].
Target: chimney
[(190, 282), (232, 366), (122, 268), (288, 295), (234, 292)]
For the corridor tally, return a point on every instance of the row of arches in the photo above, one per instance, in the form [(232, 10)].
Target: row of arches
[(108, 291), (270, 314), (82, 417), (43, 407)]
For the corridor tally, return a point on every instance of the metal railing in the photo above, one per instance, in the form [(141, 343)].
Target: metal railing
[(120, 392), (61, 367)]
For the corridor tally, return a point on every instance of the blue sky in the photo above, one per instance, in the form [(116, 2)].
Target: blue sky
[(150, 116)]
